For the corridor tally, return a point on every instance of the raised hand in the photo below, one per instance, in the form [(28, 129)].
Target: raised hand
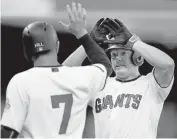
[(77, 20), (98, 33), (119, 34)]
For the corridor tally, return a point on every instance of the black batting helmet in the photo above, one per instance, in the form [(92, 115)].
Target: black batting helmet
[(38, 37), (136, 58)]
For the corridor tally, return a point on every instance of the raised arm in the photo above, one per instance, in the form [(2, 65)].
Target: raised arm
[(76, 58), (77, 26), (163, 63)]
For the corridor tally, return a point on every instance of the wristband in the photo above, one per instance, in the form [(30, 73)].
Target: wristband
[(132, 41)]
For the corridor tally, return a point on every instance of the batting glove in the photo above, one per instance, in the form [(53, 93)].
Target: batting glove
[(119, 34), (98, 33)]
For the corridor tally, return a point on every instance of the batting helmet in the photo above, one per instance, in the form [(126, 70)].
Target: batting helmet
[(136, 58), (38, 37)]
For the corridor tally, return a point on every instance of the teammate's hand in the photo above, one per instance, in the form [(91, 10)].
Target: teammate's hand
[(119, 34), (98, 33), (77, 20)]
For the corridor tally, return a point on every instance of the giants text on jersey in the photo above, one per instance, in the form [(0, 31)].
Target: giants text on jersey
[(129, 109)]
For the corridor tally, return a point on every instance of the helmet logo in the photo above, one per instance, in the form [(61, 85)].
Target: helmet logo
[(39, 46)]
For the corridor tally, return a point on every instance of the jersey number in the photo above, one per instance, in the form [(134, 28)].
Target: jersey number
[(68, 100)]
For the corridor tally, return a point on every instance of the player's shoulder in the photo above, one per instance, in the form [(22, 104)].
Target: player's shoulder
[(143, 79), (20, 77), (89, 68), (100, 68), (148, 76), (97, 68), (109, 83)]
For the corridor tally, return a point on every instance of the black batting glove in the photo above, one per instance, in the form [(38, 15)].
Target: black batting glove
[(118, 33), (98, 33)]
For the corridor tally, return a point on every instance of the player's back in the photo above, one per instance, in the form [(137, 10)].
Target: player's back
[(56, 99)]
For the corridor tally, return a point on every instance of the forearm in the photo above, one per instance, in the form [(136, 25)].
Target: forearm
[(76, 58), (7, 132), (95, 53), (153, 56)]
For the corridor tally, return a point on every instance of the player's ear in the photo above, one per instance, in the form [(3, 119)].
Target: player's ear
[(57, 46)]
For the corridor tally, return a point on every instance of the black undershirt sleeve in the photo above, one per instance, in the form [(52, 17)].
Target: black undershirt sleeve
[(95, 53), (7, 132)]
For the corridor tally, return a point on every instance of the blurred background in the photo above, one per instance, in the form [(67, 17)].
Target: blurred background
[(153, 20)]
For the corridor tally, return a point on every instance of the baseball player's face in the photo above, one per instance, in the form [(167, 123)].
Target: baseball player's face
[(121, 62)]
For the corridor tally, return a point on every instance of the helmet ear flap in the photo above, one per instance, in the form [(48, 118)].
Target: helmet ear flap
[(137, 59)]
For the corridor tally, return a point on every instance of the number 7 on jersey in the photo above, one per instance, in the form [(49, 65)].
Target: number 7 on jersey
[(68, 100)]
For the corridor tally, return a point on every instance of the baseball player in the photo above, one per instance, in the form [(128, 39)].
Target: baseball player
[(50, 100), (130, 104)]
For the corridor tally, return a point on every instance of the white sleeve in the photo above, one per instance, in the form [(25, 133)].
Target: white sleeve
[(99, 76), (160, 93), (15, 107)]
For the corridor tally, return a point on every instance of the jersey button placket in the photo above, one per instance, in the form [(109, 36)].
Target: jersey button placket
[(111, 121)]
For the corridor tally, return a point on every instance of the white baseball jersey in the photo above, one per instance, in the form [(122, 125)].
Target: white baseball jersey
[(51, 101), (129, 109)]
